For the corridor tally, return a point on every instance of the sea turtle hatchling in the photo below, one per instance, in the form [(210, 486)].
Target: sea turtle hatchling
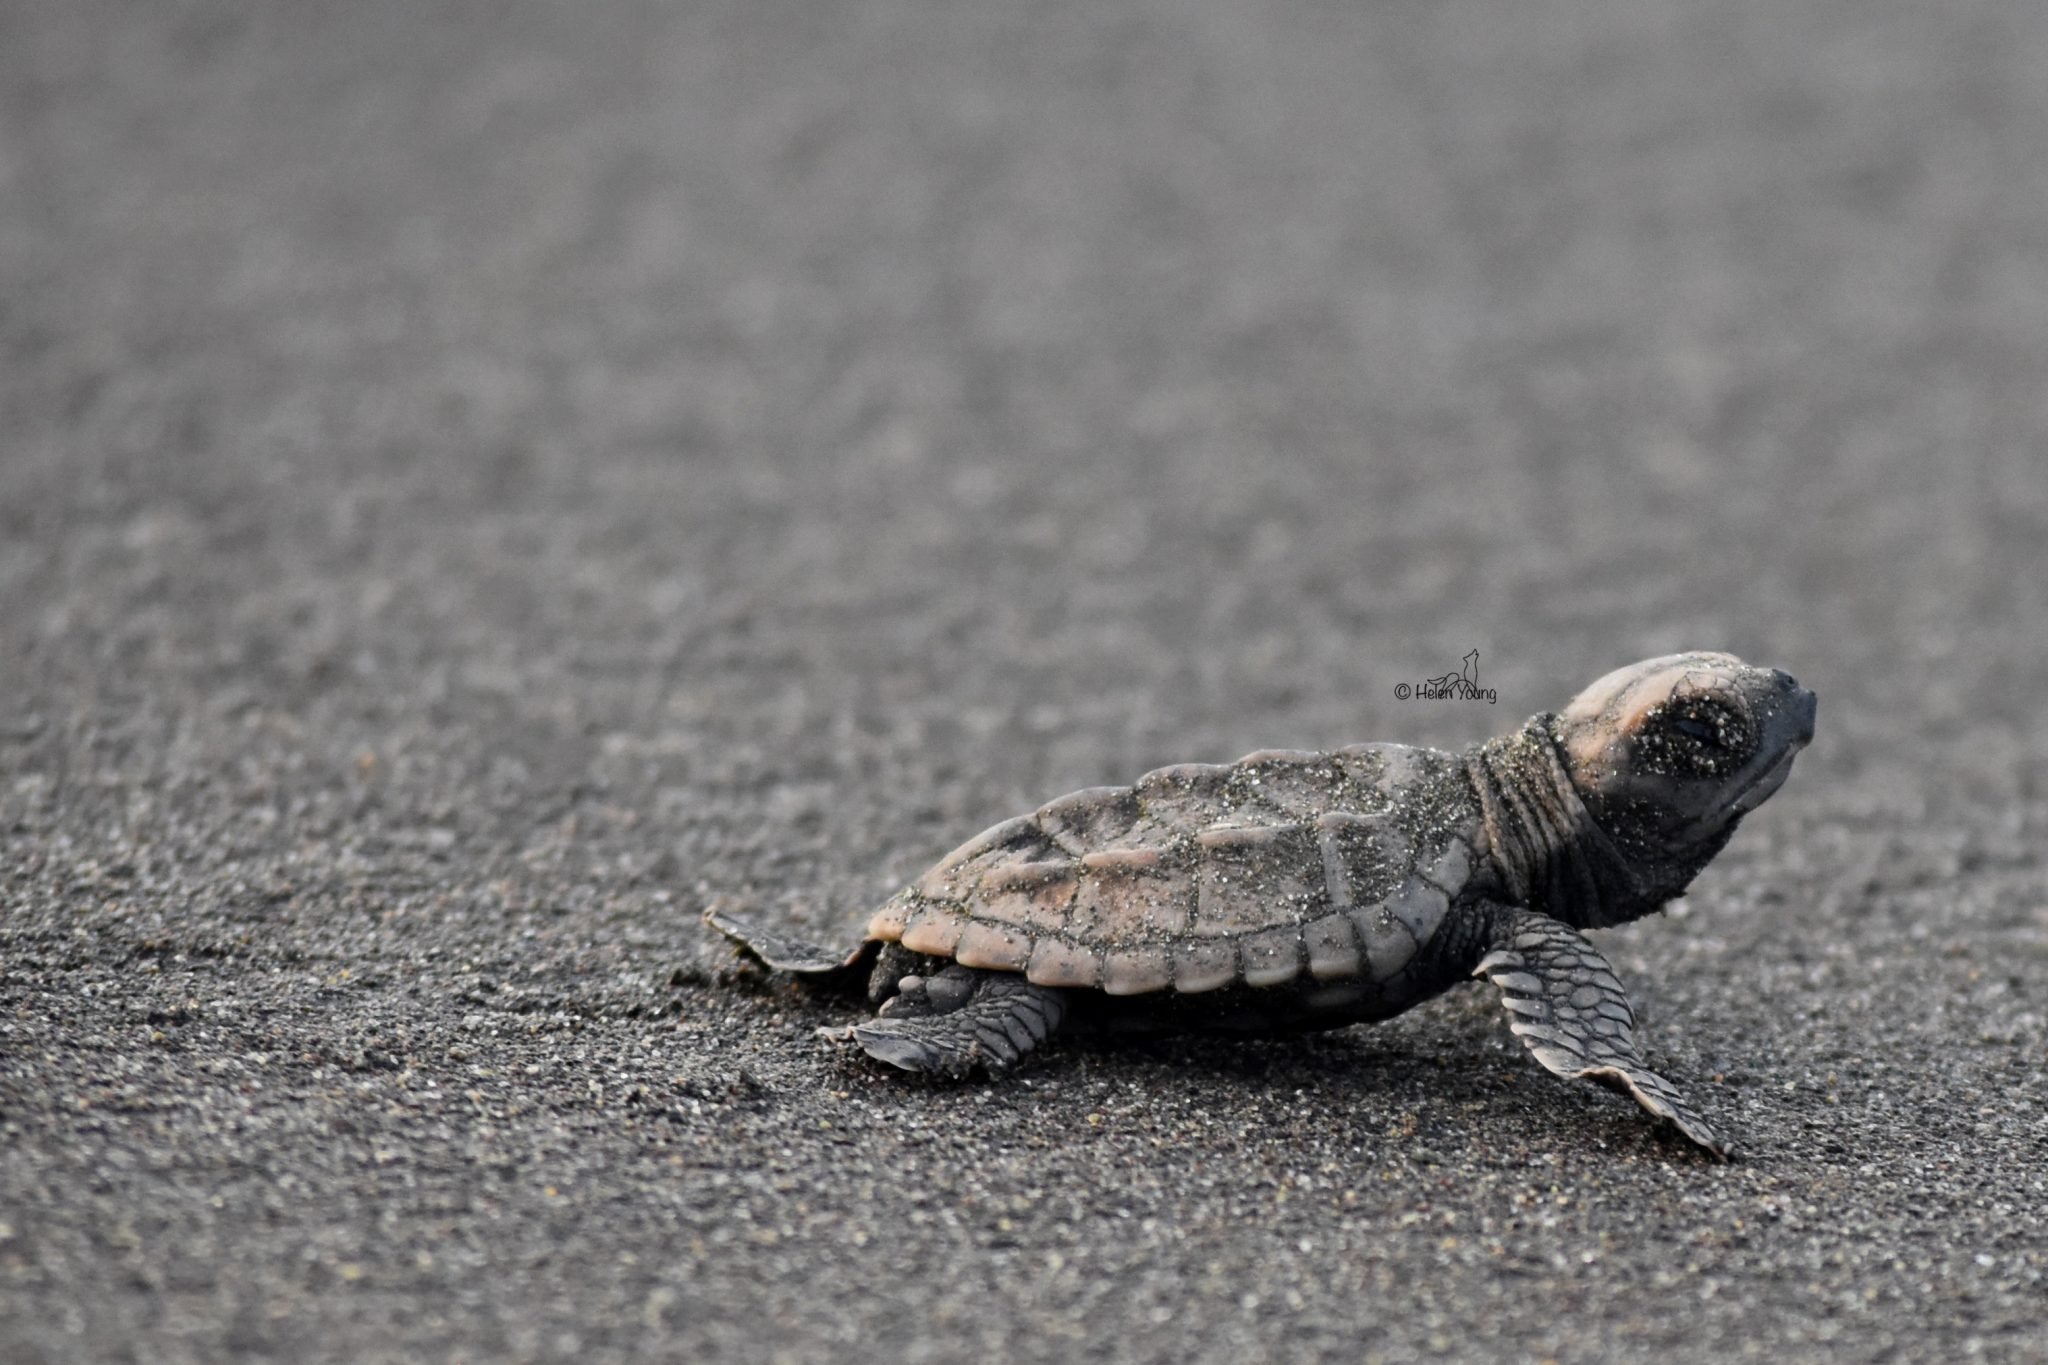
[(1291, 891)]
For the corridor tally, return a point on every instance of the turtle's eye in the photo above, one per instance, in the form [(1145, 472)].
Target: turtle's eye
[(1699, 728), (1705, 733)]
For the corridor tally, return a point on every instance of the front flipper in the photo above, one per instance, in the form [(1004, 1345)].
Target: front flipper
[(1568, 1007), (962, 1018)]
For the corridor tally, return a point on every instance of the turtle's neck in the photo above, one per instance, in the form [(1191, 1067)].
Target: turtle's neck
[(1552, 854)]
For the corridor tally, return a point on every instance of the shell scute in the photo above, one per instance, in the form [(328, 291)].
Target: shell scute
[(1363, 858), (1254, 878), (1129, 862), (958, 875), (1333, 948), (1088, 818), (989, 945), (1294, 784), (1203, 965), (933, 929), (1452, 868), (1365, 768), (1185, 779), (1271, 957), (1181, 798), (1137, 971), (889, 922), (1031, 876), (1062, 962), (1015, 832), (1136, 901), (1283, 758), (1039, 910), (1385, 940), (1420, 907)]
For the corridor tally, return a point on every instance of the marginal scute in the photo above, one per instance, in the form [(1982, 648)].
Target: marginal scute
[(888, 922), (992, 947), (1333, 951), (1420, 907), (933, 930), (1453, 868), (1271, 957), (1200, 965), (1387, 944), (1137, 971), (1059, 962)]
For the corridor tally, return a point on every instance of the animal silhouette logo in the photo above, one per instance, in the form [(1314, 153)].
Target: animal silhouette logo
[(1460, 686)]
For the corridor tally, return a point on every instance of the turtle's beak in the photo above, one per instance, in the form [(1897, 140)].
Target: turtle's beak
[(1788, 729), (1760, 791), (1799, 707)]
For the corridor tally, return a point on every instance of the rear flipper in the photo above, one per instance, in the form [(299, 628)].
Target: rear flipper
[(1568, 1007), (782, 953), (960, 1018)]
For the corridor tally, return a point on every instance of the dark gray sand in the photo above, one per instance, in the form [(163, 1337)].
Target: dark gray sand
[(478, 483)]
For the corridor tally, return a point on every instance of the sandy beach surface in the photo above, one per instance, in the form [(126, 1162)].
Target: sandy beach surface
[(480, 483)]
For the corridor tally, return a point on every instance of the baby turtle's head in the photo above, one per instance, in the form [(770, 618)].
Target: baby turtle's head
[(1669, 754)]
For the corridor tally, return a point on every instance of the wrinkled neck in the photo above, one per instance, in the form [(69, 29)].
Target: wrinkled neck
[(1549, 850)]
